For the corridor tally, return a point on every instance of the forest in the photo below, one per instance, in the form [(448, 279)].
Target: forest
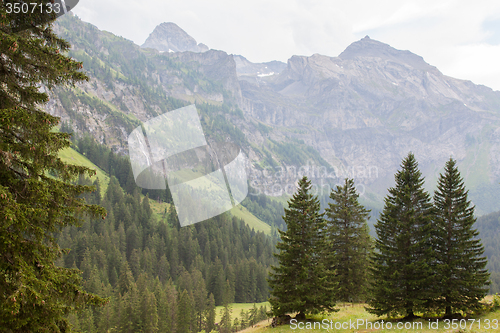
[(76, 258), (152, 268)]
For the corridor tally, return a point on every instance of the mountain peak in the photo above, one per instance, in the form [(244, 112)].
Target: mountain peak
[(169, 37), (371, 48)]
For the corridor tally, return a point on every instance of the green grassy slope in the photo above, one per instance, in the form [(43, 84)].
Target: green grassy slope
[(71, 156), (250, 219), (368, 323)]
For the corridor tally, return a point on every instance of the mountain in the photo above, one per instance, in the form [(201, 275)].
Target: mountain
[(356, 115), (366, 109), (252, 72), (168, 37)]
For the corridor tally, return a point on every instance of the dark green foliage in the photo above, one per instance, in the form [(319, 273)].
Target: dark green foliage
[(116, 165), (217, 127), (489, 228), (225, 321), (66, 128), (266, 209), (299, 283), (298, 153), (348, 243), (402, 262), (463, 279), (137, 249), (35, 294), (210, 314), (150, 314), (253, 316), (250, 317), (185, 316)]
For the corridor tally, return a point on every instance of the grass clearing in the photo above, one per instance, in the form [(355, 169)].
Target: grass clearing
[(348, 317), (236, 309), (253, 222), (159, 208), (71, 156), (239, 211)]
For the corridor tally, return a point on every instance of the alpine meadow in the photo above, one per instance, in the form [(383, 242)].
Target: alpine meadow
[(368, 194)]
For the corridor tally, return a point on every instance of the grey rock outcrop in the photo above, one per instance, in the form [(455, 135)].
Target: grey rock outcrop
[(169, 37), (217, 66), (253, 72), (367, 108), (360, 112)]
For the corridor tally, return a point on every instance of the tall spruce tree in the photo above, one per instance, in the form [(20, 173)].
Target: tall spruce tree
[(348, 243), (35, 294), (184, 317), (402, 263), (463, 279), (225, 313), (210, 314), (299, 283)]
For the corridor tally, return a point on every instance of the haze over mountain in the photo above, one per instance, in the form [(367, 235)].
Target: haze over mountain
[(373, 104), (356, 115), (250, 71)]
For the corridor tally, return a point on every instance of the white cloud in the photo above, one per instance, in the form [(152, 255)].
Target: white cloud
[(478, 63), (450, 34)]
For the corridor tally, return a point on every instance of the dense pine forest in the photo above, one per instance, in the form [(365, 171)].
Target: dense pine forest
[(489, 228), (133, 257), (211, 263)]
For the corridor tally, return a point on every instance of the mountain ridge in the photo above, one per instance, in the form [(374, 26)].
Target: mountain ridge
[(363, 110), (169, 37)]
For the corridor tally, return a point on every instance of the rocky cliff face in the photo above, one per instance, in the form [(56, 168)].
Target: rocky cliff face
[(254, 72), (366, 109), (168, 37), (215, 65), (356, 115)]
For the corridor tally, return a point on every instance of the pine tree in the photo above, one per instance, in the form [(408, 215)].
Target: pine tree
[(150, 313), (262, 313), (348, 243), (236, 324), (244, 319), (86, 319), (225, 322), (130, 312), (162, 308), (170, 317), (106, 318), (184, 316), (253, 315), (299, 283), (126, 279), (210, 314), (403, 270), (200, 297), (461, 272), (37, 196)]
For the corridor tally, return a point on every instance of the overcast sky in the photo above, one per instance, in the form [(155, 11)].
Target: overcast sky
[(460, 37)]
